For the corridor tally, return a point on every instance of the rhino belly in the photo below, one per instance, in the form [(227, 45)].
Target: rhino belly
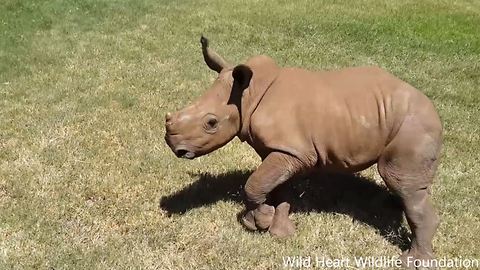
[(351, 144)]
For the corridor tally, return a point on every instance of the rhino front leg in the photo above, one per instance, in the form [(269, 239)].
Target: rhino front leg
[(275, 169)]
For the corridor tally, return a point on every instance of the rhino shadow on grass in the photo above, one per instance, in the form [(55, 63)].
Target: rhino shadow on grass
[(349, 194)]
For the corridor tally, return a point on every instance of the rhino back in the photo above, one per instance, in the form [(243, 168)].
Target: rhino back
[(339, 120)]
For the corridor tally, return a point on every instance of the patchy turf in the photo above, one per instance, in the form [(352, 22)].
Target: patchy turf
[(87, 182)]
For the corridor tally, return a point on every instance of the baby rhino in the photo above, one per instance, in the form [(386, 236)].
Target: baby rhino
[(299, 121)]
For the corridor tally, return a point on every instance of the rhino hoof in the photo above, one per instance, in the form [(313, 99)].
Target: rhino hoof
[(282, 226), (264, 216), (413, 256), (248, 221)]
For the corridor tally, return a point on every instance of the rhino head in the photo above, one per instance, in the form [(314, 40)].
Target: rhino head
[(223, 111)]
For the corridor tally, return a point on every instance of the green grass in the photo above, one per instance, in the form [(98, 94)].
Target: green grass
[(84, 86)]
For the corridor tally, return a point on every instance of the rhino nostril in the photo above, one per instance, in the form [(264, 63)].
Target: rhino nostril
[(181, 152), (184, 153)]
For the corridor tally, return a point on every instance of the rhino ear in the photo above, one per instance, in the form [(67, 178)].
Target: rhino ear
[(242, 75), (212, 59)]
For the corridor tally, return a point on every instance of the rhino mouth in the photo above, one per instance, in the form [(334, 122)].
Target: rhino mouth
[(181, 150), (184, 153)]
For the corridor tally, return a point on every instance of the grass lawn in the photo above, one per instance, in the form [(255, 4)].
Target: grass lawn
[(87, 181)]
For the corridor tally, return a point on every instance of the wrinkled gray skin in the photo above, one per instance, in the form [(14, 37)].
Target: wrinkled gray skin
[(299, 121)]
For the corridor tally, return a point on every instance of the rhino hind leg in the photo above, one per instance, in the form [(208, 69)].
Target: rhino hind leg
[(423, 221), (408, 166)]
